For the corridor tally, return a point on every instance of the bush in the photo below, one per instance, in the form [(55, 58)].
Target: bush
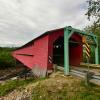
[(6, 59)]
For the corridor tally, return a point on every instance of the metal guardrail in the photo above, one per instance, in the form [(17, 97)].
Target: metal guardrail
[(93, 78), (77, 73), (96, 77)]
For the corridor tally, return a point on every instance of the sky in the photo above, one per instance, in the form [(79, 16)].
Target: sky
[(23, 20)]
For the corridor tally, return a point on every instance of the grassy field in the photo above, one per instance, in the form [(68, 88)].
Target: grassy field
[(79, 92), (56, 87), (67, 88), (10, 85)]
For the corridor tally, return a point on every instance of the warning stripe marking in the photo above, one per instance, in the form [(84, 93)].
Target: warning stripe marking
[(87, 54), (50, 59), (87, 49), (88, 46)]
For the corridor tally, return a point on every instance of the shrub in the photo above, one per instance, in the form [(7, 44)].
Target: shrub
[(6, 59)]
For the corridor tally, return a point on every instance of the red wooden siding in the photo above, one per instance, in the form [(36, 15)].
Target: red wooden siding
[(75, 55), (37, 54)]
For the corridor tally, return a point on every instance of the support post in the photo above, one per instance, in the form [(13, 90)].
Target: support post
[(96, 53), (66, 52)]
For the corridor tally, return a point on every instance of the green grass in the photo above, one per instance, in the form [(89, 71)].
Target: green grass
[(13, 84), (90, 92), (74, 92)]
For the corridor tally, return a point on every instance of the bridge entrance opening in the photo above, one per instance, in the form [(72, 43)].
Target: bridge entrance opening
[(58, 51), (75, 51)]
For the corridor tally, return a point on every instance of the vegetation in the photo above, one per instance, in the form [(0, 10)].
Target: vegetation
[(75, 90), (56, 87), (65, 94), (13, 84), (6, 59), (94, 12)]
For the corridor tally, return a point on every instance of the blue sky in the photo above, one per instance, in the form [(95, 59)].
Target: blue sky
[(23, 20)]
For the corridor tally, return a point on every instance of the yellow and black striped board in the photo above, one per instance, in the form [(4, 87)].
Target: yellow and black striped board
[(87, 54), (86, 46), (87, 50)]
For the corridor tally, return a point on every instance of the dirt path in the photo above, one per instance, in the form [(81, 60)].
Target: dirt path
[(5, 74)]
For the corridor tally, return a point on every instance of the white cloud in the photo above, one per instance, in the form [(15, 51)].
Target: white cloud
[(22, 20)]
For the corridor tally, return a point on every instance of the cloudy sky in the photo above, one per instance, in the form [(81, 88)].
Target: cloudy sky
[(23, 20)]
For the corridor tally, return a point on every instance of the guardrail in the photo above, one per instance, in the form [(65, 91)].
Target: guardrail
[(93, 78)]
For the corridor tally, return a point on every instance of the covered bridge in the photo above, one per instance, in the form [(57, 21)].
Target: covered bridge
[(61, 46)]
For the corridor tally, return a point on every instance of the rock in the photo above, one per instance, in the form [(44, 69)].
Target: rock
[(14, 78)]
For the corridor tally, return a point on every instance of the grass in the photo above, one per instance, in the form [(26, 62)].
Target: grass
[(65, 94), (55, 88), (13, 84), (76, 91), (90, 92)]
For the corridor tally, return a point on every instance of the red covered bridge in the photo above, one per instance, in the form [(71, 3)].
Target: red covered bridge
[(61, 46)]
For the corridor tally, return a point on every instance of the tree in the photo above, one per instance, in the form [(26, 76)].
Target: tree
[(94, 11)]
